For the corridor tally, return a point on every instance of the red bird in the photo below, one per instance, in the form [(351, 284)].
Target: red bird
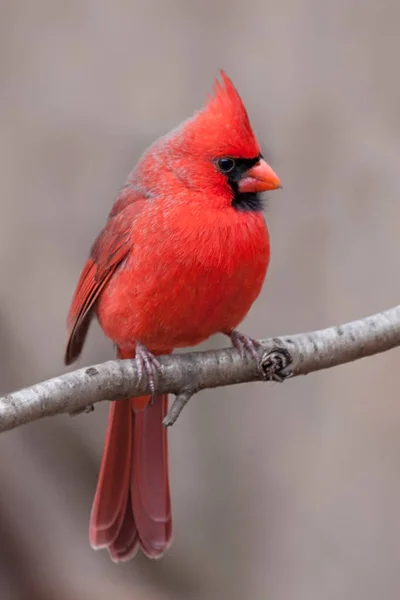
[(183, 256)]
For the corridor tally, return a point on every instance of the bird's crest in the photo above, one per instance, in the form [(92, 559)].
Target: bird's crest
[(220, 128), (224, 121)]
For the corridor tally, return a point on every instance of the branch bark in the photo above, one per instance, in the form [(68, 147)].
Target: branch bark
[(186, 374)]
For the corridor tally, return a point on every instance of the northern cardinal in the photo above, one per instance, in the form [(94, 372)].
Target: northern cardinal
[(183, 256)]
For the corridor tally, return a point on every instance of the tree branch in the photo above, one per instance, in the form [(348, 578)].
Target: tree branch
[(186, 374)]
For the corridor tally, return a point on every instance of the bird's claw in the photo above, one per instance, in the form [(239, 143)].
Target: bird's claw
[(148, 363), (244, 344)]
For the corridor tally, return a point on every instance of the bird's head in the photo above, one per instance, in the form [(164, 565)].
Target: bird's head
[(216, 153)]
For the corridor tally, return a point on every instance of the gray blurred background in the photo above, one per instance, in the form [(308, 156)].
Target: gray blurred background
[(279, 492)]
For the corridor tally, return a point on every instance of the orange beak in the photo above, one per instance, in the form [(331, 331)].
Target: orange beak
[(259, 178)]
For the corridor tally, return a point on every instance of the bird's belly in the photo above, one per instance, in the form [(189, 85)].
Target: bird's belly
[(178, 303), (183, 310)]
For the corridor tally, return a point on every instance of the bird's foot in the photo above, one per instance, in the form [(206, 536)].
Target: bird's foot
[(244, 344), (148, 363)]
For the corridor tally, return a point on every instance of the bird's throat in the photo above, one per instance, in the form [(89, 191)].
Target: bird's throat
[(247, 201)]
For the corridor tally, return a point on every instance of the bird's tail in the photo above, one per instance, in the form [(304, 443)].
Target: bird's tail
[(132, 505)]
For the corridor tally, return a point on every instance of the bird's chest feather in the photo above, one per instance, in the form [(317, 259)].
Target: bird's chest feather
[(186, 278)]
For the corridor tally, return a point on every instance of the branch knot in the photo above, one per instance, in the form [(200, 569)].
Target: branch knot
[(276, 364)]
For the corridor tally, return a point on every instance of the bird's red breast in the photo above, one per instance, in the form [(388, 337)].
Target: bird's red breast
[(193, 272)]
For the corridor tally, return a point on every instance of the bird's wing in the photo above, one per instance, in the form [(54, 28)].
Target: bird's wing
[(109, 250)]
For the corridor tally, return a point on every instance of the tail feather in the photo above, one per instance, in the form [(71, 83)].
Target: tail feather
[(132, 504), (111, 498), (126, 544), (151, 502)]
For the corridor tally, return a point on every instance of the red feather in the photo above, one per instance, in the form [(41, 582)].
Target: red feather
[(132, 504), (111, 498), (109, 250)]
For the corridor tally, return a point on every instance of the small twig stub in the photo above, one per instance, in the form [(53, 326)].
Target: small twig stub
[(177, 406)]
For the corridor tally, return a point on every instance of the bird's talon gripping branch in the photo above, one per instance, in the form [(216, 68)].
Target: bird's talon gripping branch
[(244, 344), (148, 363), (276, 365)]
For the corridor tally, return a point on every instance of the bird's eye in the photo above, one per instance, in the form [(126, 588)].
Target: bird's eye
[(226, 165)]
